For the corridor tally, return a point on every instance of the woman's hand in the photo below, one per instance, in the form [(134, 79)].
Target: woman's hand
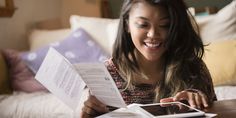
[(93, 107), (196, 99)]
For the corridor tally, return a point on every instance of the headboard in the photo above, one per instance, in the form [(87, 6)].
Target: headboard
[(7, 10)]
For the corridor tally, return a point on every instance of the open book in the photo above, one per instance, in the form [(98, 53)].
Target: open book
[(67, 81)]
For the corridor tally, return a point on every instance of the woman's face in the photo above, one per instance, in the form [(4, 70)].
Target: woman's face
[(148, 26)]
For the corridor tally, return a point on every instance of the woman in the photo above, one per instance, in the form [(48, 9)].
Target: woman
[(157, 57)]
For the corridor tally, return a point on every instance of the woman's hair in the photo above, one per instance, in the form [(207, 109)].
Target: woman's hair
[(184, 48)]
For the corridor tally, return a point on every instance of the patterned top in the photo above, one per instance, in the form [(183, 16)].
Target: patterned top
[(144, 93)]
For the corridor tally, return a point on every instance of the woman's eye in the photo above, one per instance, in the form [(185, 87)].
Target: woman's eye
[(141, 25), (165, 26)]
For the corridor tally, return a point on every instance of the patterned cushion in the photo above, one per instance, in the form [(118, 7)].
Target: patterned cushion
[(103, 30), (39, 38), (77, 47)]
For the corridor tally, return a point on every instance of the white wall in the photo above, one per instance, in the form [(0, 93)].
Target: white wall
[(13, 30), (79, 7)]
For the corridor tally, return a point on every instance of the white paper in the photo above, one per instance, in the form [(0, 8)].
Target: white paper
[(123, 113), (67, 81), (100, 83), (130, 112), (61, 78), (210, 115)]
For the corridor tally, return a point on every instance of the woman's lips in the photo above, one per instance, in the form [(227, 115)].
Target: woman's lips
[(153, 45)]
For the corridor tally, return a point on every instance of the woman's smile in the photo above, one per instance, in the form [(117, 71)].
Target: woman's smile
[(153, 45)]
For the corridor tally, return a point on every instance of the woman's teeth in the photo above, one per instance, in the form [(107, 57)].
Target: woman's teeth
[(152, 45)]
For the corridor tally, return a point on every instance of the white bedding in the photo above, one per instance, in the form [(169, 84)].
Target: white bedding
[(35, 105), (225, 92), (46, 105)]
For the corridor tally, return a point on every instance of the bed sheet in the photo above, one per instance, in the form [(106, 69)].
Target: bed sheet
[(46, 105), (36, 105)]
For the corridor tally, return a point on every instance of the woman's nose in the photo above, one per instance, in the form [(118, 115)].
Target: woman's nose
[(152, 33)]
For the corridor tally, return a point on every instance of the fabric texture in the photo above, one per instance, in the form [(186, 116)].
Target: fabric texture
[(79, 46), (103, 30), (21, 77), (144, 93), (225, 92), (4, 81), (39, 38), (220, 58), (38, 105), (220, 26)]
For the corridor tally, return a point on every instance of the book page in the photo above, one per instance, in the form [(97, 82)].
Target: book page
[(100, 83), (130, 112), (60, 77)]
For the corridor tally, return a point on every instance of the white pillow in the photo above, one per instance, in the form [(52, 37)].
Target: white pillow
[(220, 26), (103, 30), (39, 38)]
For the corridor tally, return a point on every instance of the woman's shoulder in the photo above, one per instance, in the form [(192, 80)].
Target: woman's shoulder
[(111, 67)]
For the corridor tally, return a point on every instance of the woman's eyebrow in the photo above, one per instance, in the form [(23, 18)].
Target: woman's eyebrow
[(144, 18), (165, 18), (141, 17)]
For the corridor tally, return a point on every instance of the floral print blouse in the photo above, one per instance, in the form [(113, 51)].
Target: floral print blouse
[(144, 93)]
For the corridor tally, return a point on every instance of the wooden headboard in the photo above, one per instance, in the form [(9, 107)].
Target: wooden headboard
[(7, 10), (105, 9), (203, 10)]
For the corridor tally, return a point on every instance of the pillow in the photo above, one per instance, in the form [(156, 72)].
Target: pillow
[(220, 58), (77, 47), (103, 30), (221, 26), (40, 38), (21, 78), (4, 81)]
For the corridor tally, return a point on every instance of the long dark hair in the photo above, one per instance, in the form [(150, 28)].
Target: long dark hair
[(184, 48)]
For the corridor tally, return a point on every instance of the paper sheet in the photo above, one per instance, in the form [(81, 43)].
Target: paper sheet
[(67, 81), (100, 83), (61, 78), (130, 112)]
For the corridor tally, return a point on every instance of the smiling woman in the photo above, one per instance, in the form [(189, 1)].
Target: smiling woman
[(8, 9)]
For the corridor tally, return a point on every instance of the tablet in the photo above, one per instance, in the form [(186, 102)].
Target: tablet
[(171, 109)]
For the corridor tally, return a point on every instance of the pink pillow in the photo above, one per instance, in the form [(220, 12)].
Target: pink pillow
[(21, 77)]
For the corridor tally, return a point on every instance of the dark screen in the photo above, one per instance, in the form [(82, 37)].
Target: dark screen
[(173, 108)]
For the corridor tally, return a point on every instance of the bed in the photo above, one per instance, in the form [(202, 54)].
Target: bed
[(29, 99)]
